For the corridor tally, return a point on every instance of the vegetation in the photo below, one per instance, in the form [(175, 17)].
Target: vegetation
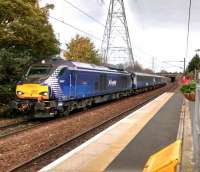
[(83, 50), (138, 68), (188, 89), (188, 86), (163, 71), (25, 37), (194, 64)]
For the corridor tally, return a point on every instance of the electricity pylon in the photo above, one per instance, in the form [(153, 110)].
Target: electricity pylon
[(116, 45)]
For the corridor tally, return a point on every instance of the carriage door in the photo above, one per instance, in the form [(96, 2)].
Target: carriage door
[(65, 83), (134, 81)]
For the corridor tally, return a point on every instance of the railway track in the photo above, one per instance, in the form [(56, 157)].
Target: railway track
[(10, 125), (6, 123), (16, 128), (117, 117)]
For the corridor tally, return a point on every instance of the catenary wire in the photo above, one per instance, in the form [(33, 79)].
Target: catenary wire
[(80, 30), (83, 12)]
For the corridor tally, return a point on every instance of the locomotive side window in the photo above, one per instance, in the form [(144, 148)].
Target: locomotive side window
[(62, 72), (64, 75), (103, 82)]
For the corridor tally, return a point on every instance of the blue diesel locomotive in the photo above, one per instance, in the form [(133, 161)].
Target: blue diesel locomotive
[(57, 87)]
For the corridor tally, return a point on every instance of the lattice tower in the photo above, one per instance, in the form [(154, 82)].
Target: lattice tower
[(116, 45)]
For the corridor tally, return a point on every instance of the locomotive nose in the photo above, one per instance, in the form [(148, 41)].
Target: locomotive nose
[(32, 91)]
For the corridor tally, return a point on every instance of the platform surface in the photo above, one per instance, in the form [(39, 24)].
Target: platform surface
[(158, 133), (126, 145)]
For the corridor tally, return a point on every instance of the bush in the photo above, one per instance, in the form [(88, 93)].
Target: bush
[(12, 67), (7, 93)]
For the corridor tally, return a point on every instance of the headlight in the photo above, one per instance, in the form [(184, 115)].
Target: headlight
[(19, 93), (44, 93), (60, 103)]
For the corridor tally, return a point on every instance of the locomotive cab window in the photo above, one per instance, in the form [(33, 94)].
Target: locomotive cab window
[(39, 70)]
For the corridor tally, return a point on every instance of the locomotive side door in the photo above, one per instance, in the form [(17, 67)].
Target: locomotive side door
[(73, 78), (134, 81)]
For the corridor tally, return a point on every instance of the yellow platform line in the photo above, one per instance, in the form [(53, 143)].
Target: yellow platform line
[(100, 153)]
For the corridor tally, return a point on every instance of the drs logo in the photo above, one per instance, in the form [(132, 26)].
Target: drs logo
[(112, 83)]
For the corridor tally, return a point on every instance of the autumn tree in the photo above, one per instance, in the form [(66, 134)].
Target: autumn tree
[(24, 27), (83, 50), (25, 37)]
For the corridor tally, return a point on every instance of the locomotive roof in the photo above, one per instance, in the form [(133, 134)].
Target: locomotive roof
[(77, 65)]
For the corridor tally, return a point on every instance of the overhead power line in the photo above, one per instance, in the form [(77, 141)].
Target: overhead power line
[(76, 28), (83, 12), (168, 63)]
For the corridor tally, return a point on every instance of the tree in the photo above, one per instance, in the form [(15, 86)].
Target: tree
[(24, 26), (147, 70), (194, 64), (25, 37), (138, 67), (83, 50), (163, 71)]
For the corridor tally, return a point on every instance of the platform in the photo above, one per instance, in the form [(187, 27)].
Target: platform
[(126, 145), (157, 134)]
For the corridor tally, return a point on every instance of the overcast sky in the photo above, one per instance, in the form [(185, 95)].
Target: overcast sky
[(158, 28)]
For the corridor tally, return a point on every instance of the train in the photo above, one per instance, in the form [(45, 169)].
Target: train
[(57, 87)]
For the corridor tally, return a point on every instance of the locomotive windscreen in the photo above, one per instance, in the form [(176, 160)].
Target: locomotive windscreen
[(39, 70)]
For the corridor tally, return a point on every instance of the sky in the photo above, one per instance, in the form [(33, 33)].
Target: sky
[(157, 28)]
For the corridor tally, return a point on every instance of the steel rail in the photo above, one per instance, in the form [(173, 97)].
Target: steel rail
[(11, 125), (18, 128)]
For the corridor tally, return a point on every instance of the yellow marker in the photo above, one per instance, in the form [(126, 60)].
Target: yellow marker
[(165, 160)]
